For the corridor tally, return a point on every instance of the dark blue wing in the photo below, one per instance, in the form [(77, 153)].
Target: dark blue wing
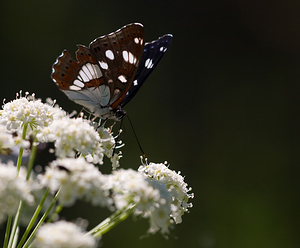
[(153, 52)]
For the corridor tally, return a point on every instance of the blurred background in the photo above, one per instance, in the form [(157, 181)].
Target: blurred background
[(222, 107)]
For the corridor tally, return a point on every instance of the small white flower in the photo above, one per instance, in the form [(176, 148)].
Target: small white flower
[(63, 234), (74, 135), (78, 179), (13, 188), (175, 184), (28, 110)]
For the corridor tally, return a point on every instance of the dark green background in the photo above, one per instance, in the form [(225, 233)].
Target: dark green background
[(222, 107)]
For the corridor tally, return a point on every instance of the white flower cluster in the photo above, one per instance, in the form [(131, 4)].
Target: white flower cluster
[(13, 188), (158, 193), (63, 234), (175, 184), (78, 179), (71, 137), (28, 110), (74, 135)]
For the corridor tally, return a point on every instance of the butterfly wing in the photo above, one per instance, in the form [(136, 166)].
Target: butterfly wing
[(153, 53), (119, 55), (104, 72)]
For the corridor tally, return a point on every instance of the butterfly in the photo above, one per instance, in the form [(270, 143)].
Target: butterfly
[(107, 74)]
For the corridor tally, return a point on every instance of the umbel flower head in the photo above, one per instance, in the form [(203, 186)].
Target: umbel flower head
[(63, 234), (28, 111), (78, 179), (13, 188), (157, 192), (71, 136), (49, 123), (174, 182)]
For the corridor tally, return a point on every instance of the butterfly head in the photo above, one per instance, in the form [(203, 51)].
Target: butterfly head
[(116, 114)]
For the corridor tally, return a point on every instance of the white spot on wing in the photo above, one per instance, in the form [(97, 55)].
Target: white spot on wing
[(109, 54), (125, 55), (163, 49), (136, 40), (78, 83), (131, 58), (83, 76), (79, 78), (91, 71), (86, 69), (103, 65), (74, 87), (135, 83), (148, 63), (90, 68), (122, 79)]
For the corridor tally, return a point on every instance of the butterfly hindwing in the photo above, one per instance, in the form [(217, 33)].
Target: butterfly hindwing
[(81, 80), (152, 54)]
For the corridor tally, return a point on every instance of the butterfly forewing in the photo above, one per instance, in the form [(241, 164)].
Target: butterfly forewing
[(119, 54), (152, 54)]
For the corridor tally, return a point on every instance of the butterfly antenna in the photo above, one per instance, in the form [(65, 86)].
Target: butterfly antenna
[(136, 137)]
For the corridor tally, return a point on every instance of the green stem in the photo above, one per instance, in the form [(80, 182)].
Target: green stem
[(27, 243), (17, 216), (15, 225), (58, 209), (8, 226), (21, 148), (33, 219), (112, 221), (32, 157)]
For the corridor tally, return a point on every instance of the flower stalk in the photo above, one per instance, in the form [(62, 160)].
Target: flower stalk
[(112, 221), (21, 148)]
